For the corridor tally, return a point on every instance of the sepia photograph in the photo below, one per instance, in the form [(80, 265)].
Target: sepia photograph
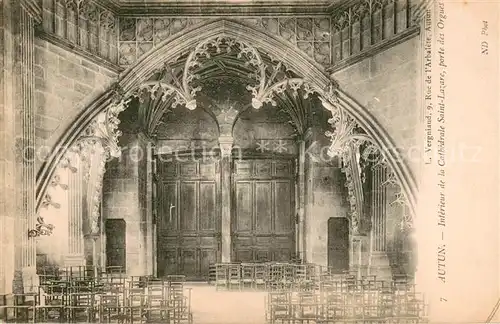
[(249, 162)]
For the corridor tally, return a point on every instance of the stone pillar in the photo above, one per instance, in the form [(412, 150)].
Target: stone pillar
[(379, 261), (301, 194), (226, 145), (307, 250), (75, 255), (7, 144), (355, 253), (146, 200), (23, 22), (96, 161), (154, 213)]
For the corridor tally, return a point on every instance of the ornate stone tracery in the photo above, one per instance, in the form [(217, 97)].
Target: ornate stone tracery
[(102, 132), (264, 88), (346, 138)]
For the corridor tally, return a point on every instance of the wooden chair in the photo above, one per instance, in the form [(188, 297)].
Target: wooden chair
[(247, 275), (157, 309), (234, 276), (261, 276), (22, 308), (82, 307), (111, 309), (179, 304), (279, 307), (135, 303), (221, 276), (307, 308), (212, 274)]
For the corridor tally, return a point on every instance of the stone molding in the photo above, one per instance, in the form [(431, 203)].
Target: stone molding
[(33, 9), (375, 49), (64, 44)]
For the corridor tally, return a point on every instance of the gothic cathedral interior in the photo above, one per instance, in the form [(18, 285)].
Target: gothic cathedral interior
[(160, 146)]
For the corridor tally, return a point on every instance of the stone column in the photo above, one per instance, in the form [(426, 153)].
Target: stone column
[(301, 194), (96, 161), (355, 253), (226, 145), (146, 199), (308, 198), (154, 212), (7, 144), (379, 261), (75, 255), (23, 22)]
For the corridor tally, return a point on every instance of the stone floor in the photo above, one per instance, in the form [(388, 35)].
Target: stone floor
[(210, 306)]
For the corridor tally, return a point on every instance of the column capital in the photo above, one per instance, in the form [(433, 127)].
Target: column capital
[(226, 145)]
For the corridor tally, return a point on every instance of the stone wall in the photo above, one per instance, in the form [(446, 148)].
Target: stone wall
[(386, 85), (65, 83), (327, 199), (123, 199), (325, 194)]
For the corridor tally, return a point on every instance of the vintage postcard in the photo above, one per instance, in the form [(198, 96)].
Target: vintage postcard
[(249, 162)]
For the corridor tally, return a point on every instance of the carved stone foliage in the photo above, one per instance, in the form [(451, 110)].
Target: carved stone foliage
[(267, 79), (309, 34), (400, 198), (348, 139), (97, 143)]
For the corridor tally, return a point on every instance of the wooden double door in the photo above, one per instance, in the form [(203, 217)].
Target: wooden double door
[(188, 218), (189, 214)]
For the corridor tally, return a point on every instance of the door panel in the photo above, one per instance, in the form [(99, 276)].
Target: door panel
[(284, 211), (167, 193), (244, 206), (168, 262), (242, 255), (263, 203), (263, 207), (338, 244), (262, 255), (188, 206), (191, 240), (189, 263), (207, 257), (208, 205), (282, 255), (116, 243)]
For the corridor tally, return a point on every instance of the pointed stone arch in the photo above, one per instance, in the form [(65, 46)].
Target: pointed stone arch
[(176, 46)]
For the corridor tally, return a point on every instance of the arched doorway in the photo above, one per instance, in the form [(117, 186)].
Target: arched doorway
[(273, 71)]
